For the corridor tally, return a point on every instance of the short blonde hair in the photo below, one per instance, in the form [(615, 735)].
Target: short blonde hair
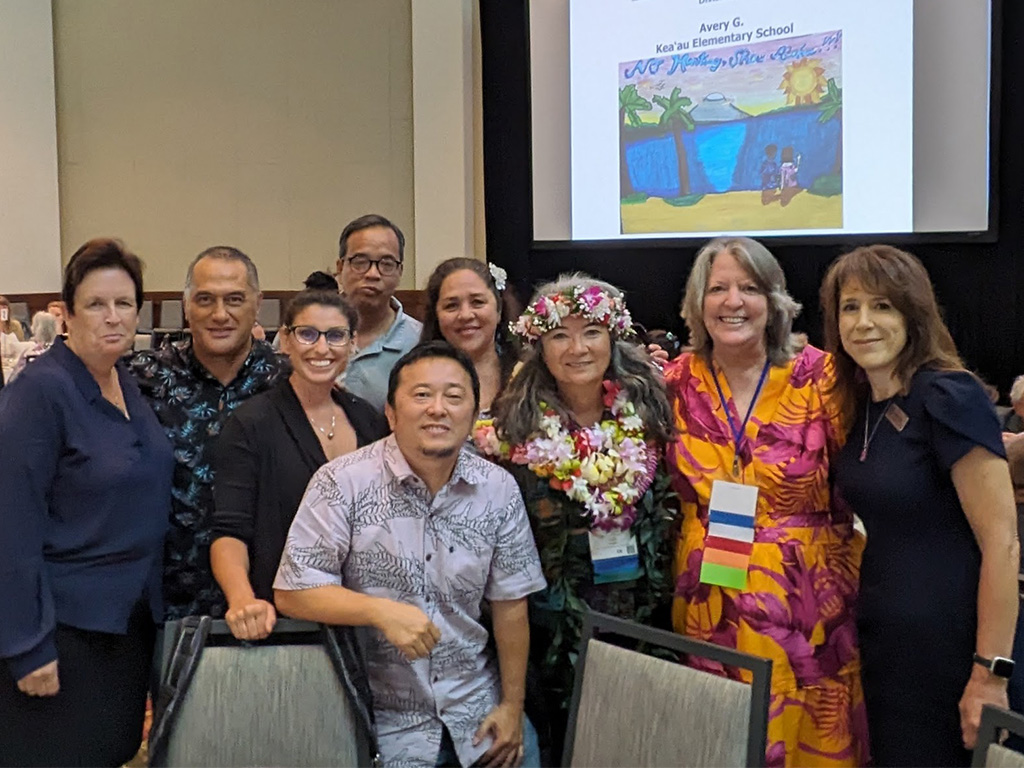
[(766, 272)]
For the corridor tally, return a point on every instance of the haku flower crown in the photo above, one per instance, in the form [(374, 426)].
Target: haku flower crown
[(592, 303)]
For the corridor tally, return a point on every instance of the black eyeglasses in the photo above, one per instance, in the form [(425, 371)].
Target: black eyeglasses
[(386, 265), (308, 335)]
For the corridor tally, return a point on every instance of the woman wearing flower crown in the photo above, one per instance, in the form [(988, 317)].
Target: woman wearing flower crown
[(765, 563), (581, 426), (468, 306)]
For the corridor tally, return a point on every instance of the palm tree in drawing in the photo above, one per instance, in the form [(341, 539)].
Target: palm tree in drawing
[(675, 117), (831, 106), (630, 102)]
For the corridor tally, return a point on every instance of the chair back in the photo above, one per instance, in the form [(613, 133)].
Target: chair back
[(145, 324), (633, 708), (20, 312), (276, 702), (171, 315), (269, 315), (988, 751)]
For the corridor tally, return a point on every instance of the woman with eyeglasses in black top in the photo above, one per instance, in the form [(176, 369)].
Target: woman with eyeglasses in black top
[(271, 446)]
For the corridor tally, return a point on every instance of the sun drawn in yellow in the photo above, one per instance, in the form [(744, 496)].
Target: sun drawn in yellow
[(804, 82)]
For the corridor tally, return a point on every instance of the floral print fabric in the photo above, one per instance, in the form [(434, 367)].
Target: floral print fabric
[(798, 606), (192, 406)]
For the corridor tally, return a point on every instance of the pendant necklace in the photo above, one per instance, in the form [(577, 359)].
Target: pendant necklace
[(869, 437), (329, 435)]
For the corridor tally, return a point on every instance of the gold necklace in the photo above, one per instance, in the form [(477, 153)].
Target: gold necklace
[(329, 435)]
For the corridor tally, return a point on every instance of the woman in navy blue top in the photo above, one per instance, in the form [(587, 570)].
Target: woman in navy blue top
[(84, 503), (925, 469)]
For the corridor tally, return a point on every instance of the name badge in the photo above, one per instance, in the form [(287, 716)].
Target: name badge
[(730, 538), (897, 417), (615, 556)]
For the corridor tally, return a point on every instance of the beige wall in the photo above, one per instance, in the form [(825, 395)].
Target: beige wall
[(264, 124), (479, 221), (29, 208)]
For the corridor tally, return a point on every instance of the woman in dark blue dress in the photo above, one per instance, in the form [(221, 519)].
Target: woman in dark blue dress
[(924, 468)]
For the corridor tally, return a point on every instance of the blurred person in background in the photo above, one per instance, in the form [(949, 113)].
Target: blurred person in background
[(59, 311), (44, 331), (9, 324)]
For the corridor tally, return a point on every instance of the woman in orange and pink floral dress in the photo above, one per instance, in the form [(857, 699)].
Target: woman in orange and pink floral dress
[(775, 575)]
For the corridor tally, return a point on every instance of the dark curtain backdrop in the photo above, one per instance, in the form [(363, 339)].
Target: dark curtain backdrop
[(980, 285)]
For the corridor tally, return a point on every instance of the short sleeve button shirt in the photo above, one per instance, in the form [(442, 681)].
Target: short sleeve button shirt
[(368, 523)]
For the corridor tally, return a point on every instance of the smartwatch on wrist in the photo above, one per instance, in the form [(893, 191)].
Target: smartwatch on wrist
[(998, 666)]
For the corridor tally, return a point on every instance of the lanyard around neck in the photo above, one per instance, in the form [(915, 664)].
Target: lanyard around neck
[(738, 434)]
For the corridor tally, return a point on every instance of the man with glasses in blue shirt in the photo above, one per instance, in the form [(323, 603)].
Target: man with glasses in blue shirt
[(370, 260)]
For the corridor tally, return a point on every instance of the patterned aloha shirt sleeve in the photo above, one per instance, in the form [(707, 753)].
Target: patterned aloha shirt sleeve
[(318, 541), (515, 565)]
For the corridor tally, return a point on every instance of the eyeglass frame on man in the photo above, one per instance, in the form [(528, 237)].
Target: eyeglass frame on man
[(346, 332), (375, 262)]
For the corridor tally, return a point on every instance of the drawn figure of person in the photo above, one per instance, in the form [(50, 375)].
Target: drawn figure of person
[(787, 175), (769, 175)]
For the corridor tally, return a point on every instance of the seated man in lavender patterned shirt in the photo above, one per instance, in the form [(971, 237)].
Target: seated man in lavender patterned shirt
[(407, 536)]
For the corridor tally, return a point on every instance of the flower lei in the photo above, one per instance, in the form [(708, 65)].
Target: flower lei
[(607, 467), (593, 303)]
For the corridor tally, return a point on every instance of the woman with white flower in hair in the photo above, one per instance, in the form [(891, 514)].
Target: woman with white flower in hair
[(469, 307), (581, 427)]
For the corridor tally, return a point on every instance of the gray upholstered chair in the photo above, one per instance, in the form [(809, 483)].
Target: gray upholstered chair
[(20, 312), (284, 701), (632, 708), (270, 314), (171, 315), (989, 752), (145, 324)]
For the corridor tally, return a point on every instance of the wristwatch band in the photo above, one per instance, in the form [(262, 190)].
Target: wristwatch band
[(998, 666)]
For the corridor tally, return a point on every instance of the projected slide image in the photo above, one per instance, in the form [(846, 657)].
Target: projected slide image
[(747, 137)]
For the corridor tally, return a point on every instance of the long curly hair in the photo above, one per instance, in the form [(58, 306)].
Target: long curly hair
[(517, 409)]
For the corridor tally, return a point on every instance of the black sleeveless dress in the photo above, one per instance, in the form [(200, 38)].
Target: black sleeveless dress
[(917, 613)]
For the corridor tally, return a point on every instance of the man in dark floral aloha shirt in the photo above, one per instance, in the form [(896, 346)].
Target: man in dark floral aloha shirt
[(193, 385)]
